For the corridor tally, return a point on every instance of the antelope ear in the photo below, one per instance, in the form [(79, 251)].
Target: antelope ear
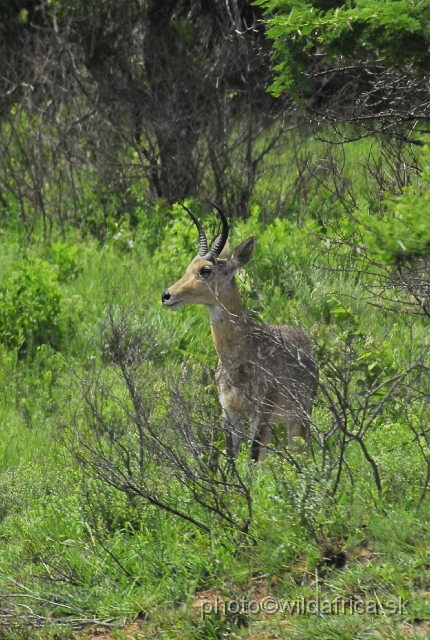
[(243, 253)]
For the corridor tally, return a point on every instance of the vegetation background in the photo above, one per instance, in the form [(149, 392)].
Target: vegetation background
[(308, 122)]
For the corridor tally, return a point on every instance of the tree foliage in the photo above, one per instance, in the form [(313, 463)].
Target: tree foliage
[(171, 93), (363, 62), (393, 32)]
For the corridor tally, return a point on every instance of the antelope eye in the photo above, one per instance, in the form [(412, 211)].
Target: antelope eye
[(205, 271)]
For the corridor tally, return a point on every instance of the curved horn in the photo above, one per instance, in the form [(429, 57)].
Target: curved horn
[(203, 249), (220, 244)]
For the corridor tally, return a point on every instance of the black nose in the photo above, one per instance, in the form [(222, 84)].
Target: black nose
[(165, 296)]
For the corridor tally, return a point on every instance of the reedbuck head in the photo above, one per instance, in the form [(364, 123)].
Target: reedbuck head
[(209, 278), (266, 374)]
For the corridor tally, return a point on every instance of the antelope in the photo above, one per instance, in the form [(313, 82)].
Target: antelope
[(266, 374)]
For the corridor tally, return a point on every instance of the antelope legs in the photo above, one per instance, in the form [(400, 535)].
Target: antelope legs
[(232, 425)]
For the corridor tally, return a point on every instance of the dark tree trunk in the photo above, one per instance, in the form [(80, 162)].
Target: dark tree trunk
[(171, 107)]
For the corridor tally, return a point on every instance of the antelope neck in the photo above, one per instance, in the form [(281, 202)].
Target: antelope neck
[(228, 322)]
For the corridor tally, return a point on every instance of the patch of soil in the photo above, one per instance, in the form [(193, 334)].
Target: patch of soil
[(131, 631)]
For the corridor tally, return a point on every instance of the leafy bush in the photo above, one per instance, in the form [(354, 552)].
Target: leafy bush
[(32, 312), (403, 233), (66, 258)]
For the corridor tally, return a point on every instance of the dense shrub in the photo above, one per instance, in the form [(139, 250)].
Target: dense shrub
[(32, 310)]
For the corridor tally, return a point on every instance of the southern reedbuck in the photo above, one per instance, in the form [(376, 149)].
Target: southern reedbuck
[(266, 374)]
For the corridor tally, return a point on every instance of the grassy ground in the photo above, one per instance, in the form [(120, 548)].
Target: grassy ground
[(76, 552)]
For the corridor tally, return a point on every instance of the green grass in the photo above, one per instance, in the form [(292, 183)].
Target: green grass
[(98, 553)]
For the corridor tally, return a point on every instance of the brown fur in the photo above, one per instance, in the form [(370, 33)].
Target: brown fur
[(266, 374)]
